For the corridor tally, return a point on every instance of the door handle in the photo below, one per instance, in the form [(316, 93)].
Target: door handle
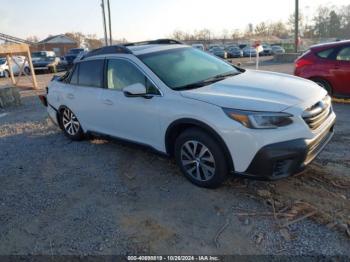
[(70, 96), (107, 102)]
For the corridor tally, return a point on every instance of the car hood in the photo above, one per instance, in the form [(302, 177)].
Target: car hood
[(258, 91)]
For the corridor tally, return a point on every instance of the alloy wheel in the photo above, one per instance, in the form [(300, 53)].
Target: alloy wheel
[(197, 160), (70, 122)]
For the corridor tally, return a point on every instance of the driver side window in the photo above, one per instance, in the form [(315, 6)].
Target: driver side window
[(121, 73)]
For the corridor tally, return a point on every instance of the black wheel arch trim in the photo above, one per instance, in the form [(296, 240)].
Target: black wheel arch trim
[(174, 129)]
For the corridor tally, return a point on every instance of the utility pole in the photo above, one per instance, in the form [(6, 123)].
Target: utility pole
[(104, 21), (296, 27), (109, 23)]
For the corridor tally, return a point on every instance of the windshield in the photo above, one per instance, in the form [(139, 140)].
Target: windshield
[(75, 51), (2, 61), (182, 67), (39, 54)]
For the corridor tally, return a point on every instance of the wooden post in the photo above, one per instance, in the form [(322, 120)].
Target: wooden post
[(9, 64), (35, 84), (9, 50)]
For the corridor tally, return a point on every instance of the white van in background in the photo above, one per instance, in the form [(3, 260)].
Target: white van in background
[(16, 66)]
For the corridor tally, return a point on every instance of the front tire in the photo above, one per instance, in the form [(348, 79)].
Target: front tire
[(6, 74), (200, 158), (70, 125)]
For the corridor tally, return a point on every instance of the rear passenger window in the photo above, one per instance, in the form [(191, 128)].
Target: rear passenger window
[(325, 53), (90, 73), (344, 54)]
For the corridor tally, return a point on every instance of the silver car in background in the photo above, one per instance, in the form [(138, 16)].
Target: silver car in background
[(249, 51), (277, 50)]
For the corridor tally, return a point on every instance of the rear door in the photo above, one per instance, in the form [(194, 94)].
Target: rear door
[(342, 71), (83, 94), (324, 66)]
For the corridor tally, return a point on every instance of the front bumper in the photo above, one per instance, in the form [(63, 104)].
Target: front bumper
[(284, 159), (41, 68)]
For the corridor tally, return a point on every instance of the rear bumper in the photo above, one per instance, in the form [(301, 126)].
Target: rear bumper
[(43, 100), (287, 158)]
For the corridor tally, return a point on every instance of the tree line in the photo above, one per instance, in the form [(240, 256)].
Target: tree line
[(327, 22)]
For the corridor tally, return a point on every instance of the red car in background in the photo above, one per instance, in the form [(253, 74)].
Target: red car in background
[(328, 65)]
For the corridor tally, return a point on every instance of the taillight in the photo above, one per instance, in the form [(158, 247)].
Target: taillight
[(302, 62)]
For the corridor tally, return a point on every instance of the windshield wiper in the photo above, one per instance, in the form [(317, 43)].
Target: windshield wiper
[(226, 75), (208, 81)]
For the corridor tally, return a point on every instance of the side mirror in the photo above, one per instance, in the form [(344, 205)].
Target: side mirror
[(135, 90)]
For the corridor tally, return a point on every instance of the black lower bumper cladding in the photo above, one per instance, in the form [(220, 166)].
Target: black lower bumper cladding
[(284, 159)]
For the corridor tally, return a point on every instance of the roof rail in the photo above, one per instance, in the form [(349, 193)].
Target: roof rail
[(112, 49), (156, 42), (122, 49)]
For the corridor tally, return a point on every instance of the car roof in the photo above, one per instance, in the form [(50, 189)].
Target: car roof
[(146, 49), (330, 44)]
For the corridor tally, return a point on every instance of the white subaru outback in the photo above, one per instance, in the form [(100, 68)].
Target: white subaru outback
[(213, 117)]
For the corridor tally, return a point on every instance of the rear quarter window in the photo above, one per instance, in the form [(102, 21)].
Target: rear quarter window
[(74, 77), (326, 54)]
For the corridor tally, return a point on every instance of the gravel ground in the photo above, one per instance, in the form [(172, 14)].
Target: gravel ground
[(106, 197)]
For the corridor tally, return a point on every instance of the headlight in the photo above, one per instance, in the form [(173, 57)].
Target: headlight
[(259, 120)]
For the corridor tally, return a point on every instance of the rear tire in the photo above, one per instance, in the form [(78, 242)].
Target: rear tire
[(27, 70), (200, 158), (70, 124), (324, 84)]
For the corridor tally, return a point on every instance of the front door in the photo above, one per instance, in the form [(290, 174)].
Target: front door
[(131, 118)]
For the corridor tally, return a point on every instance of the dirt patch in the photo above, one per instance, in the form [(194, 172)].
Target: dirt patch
[(154, 234), (319, 193)]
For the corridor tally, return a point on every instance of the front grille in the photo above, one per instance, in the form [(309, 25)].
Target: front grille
[(318, 113), (315, 147)]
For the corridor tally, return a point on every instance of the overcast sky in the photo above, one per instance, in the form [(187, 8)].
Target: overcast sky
[(147, 19)]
